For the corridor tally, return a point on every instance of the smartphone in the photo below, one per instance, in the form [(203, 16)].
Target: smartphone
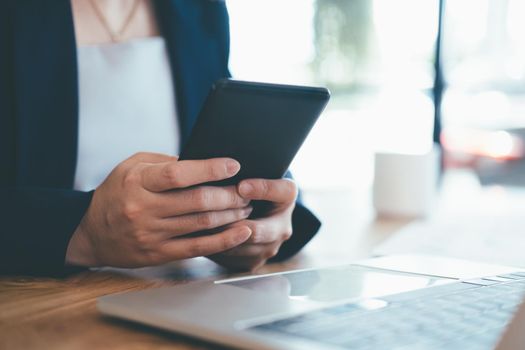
[(260, 125)]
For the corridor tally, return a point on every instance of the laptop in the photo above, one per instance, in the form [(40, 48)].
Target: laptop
[(396, 302)]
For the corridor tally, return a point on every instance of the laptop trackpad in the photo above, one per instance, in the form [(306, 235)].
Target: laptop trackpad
[(335, 283)]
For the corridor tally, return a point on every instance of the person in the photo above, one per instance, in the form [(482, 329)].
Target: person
[(96, 98)]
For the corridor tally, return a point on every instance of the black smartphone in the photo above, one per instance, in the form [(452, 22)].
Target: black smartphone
[(260, 125)]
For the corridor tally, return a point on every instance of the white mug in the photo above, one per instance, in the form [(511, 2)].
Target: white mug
[(405, 184)]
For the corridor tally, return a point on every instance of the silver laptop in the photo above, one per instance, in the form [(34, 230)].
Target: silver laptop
[(397, 303)]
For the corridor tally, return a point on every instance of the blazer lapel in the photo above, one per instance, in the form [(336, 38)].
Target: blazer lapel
[(197, 36), (46, 91)]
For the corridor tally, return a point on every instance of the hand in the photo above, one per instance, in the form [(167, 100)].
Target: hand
[(269, 232), (139, 215)]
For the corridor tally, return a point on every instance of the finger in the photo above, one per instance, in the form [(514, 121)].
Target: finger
[(184, 248), (186, 173), (150, 157), (247, 250), (196, 200), (278, 191), (181, 225), (267, 230)]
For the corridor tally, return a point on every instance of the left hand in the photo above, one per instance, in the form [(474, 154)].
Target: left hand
[(269, 232)]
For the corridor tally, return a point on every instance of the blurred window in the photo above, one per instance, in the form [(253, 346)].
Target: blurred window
[(377, 58), (484, 67), (484, 63)]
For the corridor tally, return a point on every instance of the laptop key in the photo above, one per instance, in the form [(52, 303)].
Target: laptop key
[(481, 282), (519, 274)]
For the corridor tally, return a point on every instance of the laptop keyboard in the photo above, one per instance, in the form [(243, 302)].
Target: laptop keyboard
[(465, 315)]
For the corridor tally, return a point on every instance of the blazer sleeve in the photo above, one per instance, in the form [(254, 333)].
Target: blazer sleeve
[(36, 226)]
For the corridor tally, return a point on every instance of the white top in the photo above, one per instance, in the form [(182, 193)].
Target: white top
[(126, 105)]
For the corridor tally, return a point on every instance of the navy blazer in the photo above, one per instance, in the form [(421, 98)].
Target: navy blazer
[(39, 210)]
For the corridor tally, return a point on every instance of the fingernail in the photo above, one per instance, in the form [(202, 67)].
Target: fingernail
[(232, 167), (245, 188), (244, 233), (248, 210)]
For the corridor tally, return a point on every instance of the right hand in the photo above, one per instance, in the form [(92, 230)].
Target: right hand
[(140, 214)]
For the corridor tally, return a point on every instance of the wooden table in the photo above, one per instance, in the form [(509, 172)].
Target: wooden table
[(45, 313)]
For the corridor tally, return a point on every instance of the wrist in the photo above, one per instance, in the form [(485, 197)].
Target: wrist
[(79, 251)]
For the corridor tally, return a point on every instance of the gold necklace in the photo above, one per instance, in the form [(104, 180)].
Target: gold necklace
[(115, 35)]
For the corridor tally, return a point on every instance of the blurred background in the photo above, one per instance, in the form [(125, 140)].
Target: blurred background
[(383, 64)]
